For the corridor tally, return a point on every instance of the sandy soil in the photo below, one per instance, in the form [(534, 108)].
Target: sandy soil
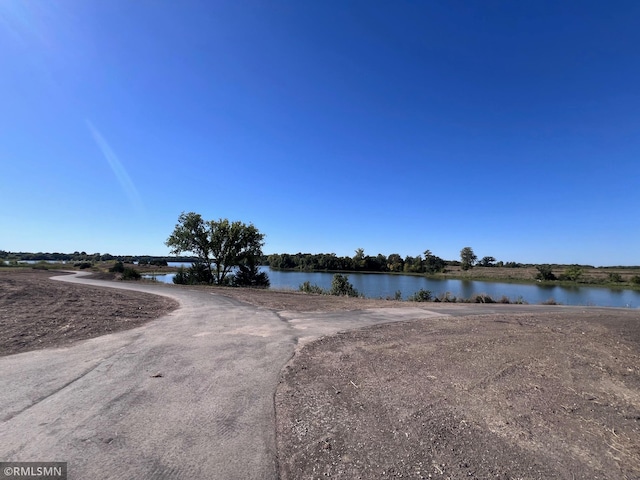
[(36, 312), (550, 396)]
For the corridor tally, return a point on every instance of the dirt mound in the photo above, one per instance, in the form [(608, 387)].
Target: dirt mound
[(550, 396)]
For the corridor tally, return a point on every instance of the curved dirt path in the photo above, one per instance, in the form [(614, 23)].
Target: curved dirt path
[(189, 395)]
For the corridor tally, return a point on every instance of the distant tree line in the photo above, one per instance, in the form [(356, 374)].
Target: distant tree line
[(91, 257), (425, 263)]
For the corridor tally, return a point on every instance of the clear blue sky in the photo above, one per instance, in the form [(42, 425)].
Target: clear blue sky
[(511, 127)]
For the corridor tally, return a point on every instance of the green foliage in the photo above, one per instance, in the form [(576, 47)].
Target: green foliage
[(572, 273), (250, 276), (340, 286), (615, 277), (359, 260), (398, 295), (635, 279), (181, 277), (421, 295), (467, 258), (219, 245), (118, 267), (158, 262), (512, 265), (196, 274), (432, 263), (306, 287), (130, 274), (395, 263), (545, 272), (487, 261), (82, 265)]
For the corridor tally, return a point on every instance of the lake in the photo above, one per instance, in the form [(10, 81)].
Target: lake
[(381, 285)]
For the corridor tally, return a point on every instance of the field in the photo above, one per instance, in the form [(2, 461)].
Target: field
[(590, 275)]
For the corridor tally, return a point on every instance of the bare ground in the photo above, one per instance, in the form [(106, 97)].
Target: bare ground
[(550, 396), (36, 312)]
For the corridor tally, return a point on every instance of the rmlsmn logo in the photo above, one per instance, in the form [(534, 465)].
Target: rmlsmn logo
[(33, 470)]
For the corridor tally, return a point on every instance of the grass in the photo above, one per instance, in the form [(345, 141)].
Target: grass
[(595, 277)]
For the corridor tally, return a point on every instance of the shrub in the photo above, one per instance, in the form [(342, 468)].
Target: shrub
[(306, 287), (340, 286), (572, 273), (196, 274), (615, 277), (250, 276), (181, 277), (421, 295), (545, 273), (398, 295), (82, 265), (118, 267), (130, 274), (635, 279)]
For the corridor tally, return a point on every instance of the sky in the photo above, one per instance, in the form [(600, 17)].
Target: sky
[(393, 126)]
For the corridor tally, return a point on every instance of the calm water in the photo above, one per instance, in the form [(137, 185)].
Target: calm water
[(380, 285)]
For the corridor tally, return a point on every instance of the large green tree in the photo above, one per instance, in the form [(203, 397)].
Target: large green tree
[(467, 258), (219, 245)]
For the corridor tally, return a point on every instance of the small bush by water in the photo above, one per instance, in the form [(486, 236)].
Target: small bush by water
[(306, 287), (130, 274), (340, 286), (421, 295)]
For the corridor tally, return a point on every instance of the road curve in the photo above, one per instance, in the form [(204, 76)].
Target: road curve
[(186, 396)]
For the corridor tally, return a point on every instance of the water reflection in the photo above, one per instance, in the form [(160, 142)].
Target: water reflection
[(380, 285)]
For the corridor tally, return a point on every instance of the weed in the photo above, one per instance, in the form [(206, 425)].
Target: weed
[(447, 298), (483, 298), (550, 301), (306, 287)]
